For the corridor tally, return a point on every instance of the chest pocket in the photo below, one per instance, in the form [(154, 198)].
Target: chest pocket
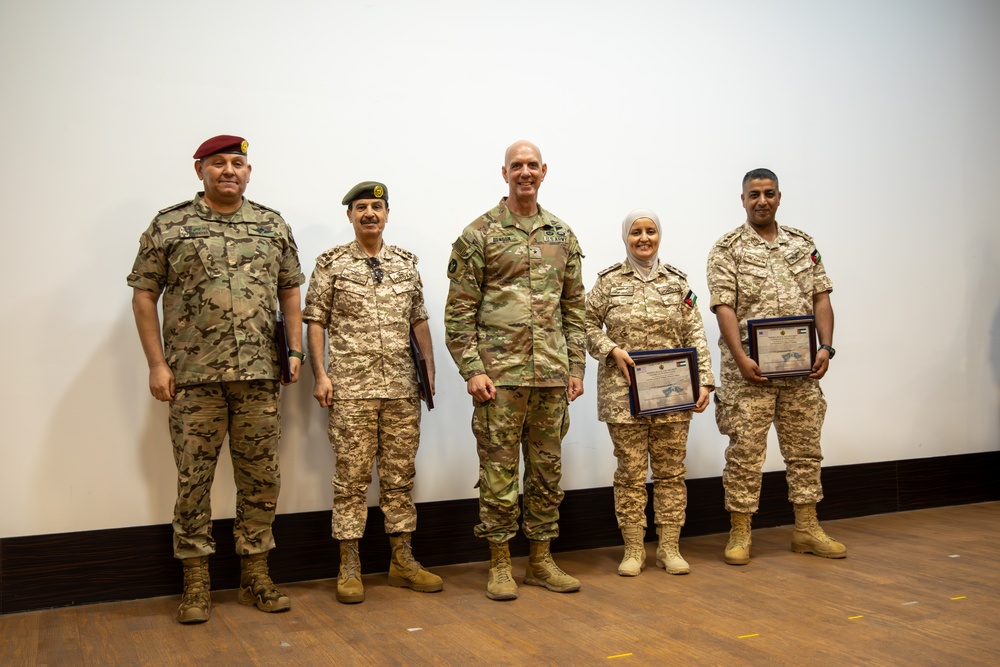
[(195, 256), (266, 258), (752, 272), (621, 295), (800, 265), (671, 294), (350, 291)]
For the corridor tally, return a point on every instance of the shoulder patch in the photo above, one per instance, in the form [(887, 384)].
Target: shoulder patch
[(405, 254), (266, 208), (609, 269), (729, 238), (690, 299), (798, 232), (674, 270), (175, 206)]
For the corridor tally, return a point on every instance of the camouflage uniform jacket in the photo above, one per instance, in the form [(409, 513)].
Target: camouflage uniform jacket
[(640, 315), (367, 322), (220, 276), (760, 280), (516, 303)]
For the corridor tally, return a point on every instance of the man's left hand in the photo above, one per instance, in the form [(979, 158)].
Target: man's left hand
[(822, 364), (294, 365)]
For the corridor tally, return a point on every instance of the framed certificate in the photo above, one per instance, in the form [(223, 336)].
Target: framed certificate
[(663, 381), (423, 379), (783, 346)]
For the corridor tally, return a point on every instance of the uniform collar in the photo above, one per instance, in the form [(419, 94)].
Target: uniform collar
[(244, 213), (750, 234), (507, 218)]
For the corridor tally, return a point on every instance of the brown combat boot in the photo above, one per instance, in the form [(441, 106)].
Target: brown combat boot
[(668, 553), (738, 547), (543, 571), (349, 587), (809, 538), (196, 600), (501, 585), (634, 560), (406, 572), (256, 587)]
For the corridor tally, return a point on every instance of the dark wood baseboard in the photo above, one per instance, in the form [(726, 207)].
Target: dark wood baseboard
[(43, 571)]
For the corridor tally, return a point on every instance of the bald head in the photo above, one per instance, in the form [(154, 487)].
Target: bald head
[(521, 144), (524, 171)]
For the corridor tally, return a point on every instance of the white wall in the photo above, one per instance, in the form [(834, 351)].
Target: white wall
[(879, 117)]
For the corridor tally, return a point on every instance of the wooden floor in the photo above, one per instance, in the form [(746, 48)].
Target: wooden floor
[(918, 588)]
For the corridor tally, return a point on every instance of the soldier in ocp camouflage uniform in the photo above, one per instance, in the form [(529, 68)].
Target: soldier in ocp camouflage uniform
[(514, 322), (366, 296), (223, 264), (645, 305), (764, 270)]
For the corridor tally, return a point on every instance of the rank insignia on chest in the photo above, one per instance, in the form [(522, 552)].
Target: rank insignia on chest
[(816, 257), (690, 299), (535, 251)]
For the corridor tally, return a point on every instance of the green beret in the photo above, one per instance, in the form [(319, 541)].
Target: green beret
[(367, 190)]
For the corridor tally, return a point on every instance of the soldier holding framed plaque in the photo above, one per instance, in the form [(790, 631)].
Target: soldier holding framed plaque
[(771, 295), (645, 330)]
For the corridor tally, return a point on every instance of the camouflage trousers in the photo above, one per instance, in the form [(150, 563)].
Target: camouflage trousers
[(638, 447), (529, 419), (385, 432), (745, 412), (200, 417)]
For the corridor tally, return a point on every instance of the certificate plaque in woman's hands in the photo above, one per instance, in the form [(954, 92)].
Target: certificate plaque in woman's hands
[(783, 346), (663, 381)]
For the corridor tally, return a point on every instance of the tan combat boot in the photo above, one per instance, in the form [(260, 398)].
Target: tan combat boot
[(809, 538), (256, 587), (738, 547), (501, 585), (406, 572), (349, 587), (634, 560), (196, 600), (668, 553), (543, 571)]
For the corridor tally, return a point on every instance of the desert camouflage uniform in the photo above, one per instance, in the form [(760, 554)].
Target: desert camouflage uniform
[(220, 275), (762, 280), (644, 315), (515, 311), (375, 416)]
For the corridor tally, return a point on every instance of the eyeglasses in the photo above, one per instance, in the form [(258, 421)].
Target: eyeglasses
[(376, 267)]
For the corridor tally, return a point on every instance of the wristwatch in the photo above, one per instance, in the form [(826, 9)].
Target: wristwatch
[(828, 349), (302, 357)]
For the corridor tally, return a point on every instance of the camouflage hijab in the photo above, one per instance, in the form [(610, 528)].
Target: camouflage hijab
[(645, 269)]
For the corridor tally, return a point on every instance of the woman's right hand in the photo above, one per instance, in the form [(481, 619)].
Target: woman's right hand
[(624, 361)]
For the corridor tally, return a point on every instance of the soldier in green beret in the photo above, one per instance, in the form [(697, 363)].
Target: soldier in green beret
[(223, 265), (364, 299)]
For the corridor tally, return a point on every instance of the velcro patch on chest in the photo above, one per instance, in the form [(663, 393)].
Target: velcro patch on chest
[(622, 290), (354, 276), (401, 276), (262, 230), (756, 260), (194, 232)]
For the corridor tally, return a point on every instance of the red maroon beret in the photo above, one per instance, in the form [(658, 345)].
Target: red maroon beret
[(224, 143)]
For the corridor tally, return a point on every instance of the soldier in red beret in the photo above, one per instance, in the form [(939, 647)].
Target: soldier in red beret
[(223, 265)]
